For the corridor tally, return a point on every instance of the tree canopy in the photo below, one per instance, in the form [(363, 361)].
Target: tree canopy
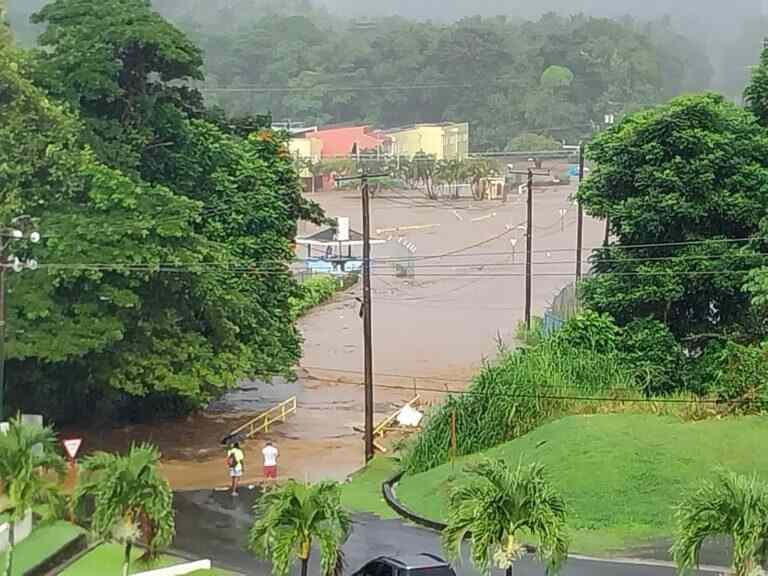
[(157, 220), (487, 71), (685, 187)]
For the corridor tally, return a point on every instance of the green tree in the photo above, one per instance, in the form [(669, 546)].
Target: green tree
[(155, 230), (131, 502), (756, 92), (28, 458), (290, 518), (125, 78), (731, 505), (497, 508), (556, 77), (683, 186)]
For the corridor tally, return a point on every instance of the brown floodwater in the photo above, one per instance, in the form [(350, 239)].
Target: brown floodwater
[(431, 332)]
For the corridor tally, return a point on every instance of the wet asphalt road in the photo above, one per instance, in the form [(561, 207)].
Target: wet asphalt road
[(215, 525)]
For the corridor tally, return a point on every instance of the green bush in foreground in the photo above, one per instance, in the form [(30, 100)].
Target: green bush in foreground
[(290, 518), (498, 507), (731, 505), (514, 395)]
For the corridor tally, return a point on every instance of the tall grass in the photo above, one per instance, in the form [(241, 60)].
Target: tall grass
[(514, 395)]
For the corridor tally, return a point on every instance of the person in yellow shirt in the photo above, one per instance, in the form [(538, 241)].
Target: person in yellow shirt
[(235, 463)]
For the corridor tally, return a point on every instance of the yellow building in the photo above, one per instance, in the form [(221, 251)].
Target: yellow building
[(447, 141), (303, 150)]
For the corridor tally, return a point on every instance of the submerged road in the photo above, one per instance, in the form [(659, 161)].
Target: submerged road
[(215, 525)]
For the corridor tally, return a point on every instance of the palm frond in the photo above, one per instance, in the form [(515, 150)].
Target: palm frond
[(496, 505), (732, 505), (289, 517)]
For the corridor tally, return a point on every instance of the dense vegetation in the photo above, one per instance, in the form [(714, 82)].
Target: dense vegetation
[(515, 394), (555, 76), (158, 219), (621, 475), (316, 290)]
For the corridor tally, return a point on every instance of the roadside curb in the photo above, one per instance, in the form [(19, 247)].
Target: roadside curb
[(388, 491)]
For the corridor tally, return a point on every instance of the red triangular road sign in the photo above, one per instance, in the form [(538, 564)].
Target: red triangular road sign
[(72, 445)]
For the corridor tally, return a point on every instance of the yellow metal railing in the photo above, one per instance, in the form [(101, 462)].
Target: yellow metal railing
[(386, 425), (263, 421)]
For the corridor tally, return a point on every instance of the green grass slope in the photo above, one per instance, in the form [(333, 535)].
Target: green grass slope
[(621, 475), (362, 493)]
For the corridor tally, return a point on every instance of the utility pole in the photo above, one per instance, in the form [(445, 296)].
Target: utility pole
[(7, 235), (367, 335), (366, 308), (580, 217), (529, 252), (529, 242)]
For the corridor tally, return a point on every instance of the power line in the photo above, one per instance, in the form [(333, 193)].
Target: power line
[(528, 395)]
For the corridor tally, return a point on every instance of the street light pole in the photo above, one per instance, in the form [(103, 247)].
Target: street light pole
[(16, 265), (3, 245)]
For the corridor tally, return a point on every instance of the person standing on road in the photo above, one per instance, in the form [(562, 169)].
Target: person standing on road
[(236, 465), (270, 461)]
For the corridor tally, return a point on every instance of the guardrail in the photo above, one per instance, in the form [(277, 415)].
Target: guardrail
[(263, 421), (386, 426)]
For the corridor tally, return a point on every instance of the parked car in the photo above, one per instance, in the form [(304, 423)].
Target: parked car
[(415, 565)]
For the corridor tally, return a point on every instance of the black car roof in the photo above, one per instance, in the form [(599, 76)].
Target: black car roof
[(416, 561)]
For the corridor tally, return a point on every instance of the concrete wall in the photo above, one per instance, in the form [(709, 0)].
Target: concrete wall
[(179, 569), (23, 529)]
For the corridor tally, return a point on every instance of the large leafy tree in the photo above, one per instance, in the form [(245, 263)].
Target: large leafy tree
[(289, 519), (29, 468), (121, 80), (131, 502), (685, 186), (730, 505), (497, 508), (168, 229)]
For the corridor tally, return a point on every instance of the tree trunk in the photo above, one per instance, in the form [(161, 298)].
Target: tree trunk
[(11, 544), (304, 566), (127, 559), (509, 570)]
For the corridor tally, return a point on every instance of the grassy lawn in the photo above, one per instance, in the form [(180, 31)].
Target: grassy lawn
[(42, 543), (108, 559), (621, 475), (363, 492)]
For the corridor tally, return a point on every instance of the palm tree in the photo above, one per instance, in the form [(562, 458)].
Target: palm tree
[(27, 459), (731, 505), (499, 504), (291, 517), (131, 502)]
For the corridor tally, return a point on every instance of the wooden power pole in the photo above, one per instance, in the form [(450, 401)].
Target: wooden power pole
[(366, 310), (529, 242), (580, 217)]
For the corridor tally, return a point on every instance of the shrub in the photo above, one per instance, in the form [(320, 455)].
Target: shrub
[(589, 330), (736, 374), (317, 290), (651, 351), (514, 395)]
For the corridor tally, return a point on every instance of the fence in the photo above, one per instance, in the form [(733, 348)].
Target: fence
[(565, 306), (263, 421)]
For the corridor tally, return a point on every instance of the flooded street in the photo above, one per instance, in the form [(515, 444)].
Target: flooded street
[(431, 332)]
